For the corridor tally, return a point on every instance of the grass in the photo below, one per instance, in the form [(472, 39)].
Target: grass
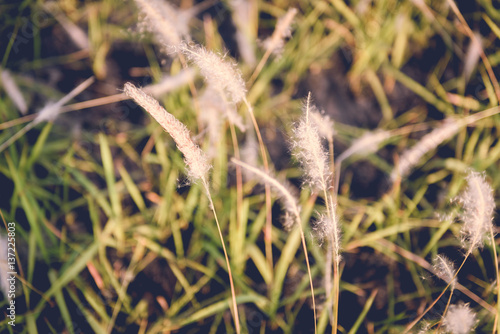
[(111, 237)]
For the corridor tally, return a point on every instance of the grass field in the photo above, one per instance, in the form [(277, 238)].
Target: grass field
[(354, 159)]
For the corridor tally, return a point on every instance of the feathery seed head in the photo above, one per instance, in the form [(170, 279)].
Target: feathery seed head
[(169, 83), (478, 205), (323, 122), (217, 70), (445, 270), (168, 24), (283, 189), (309, 151), (430, 141), (327, 228), (212, 99), (460, 319), (195, 158), (250, 150), (366, 144), (275, 43)]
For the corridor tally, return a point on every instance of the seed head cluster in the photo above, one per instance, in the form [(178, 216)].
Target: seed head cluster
[(218, 71), (195, 158), (309, 151), (460, 319), (478, 205), (445, 270)]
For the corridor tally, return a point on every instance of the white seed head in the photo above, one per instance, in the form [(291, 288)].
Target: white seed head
[(327, 228), (410, 158), (276, 42), (283, 189), (323, 123), (13, 91), (460, 319), (168, 24), (212, 99), (250, 150), (445, 270), (478, 205), (472, 55), (52, 109), (195, 158), (243, 11), (169, 83), (309, 151), (218, 70), (366, 144)]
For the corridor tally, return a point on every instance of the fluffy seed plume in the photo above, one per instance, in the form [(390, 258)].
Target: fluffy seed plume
[(289, 201), (323, 123), (169, 25), (195, 158), (430, 141), (218, 71), (211, 99), (309, 151), (243, 14), (13, 91), (275, 43), (48, 113), (472, 56), (329, 228), (460, 319), (478, 205), (169, 83), (366, 144), (445, 270)]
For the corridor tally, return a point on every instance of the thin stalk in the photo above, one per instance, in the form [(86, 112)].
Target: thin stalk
[(268, 239), (414, 322), (239, 178), (295, 211), (444, 313), (259, 67), (233, 294), (309, 273), (336, 293)]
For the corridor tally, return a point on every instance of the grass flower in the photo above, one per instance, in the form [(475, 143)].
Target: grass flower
[(366, 144), (323, 123), (218, 71), (289, 201), (169, 83), (243, 14), (195, 158), (48, 113), (292, 215), (460, 319), (13, 91), (168, 24), (478, 206), (276, 42), (309, 151), (445, 270), (429, 142)]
